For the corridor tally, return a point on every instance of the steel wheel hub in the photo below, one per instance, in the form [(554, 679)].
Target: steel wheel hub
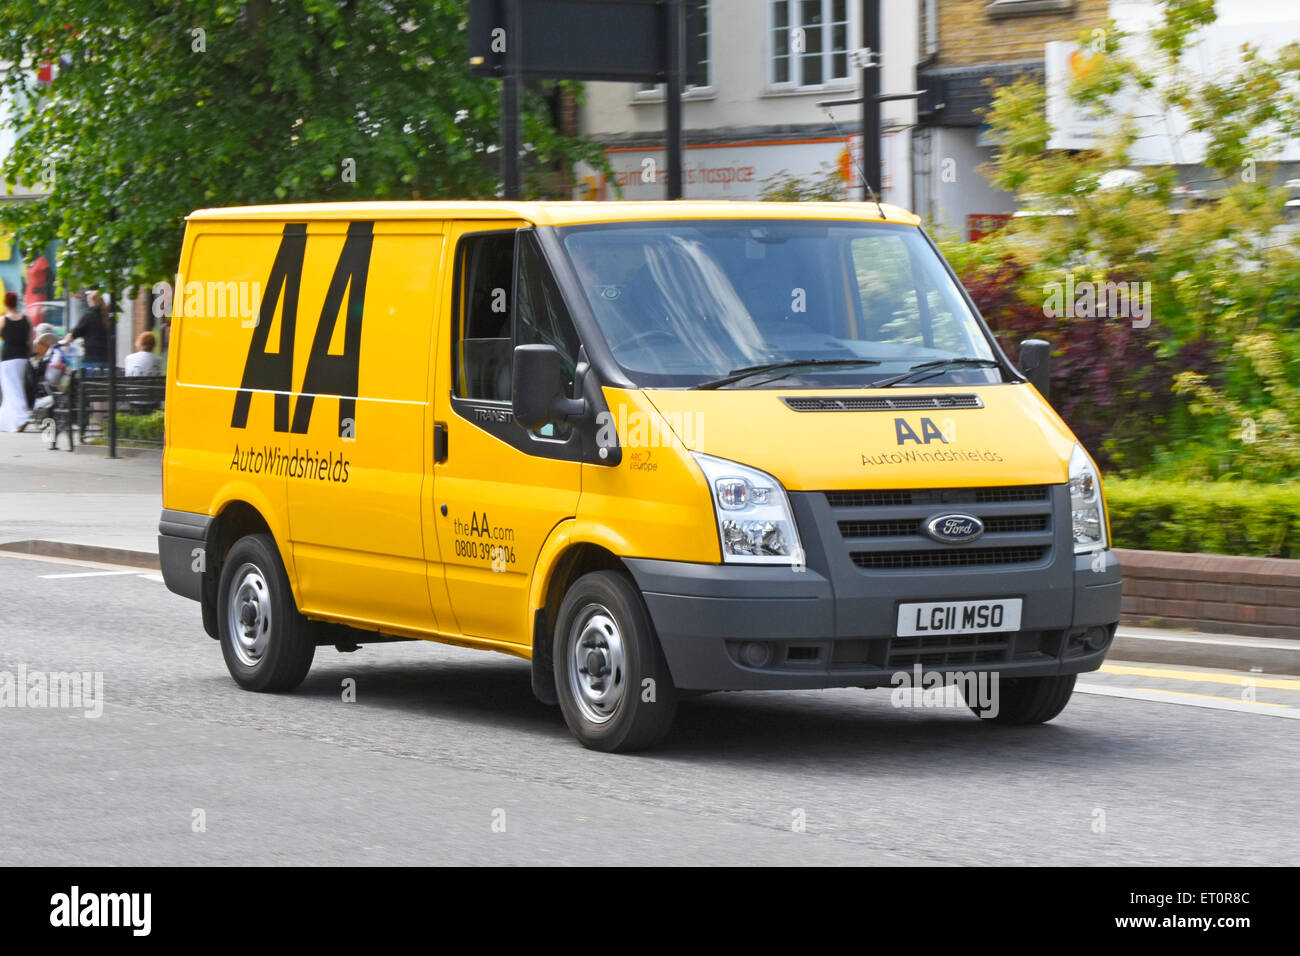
[(248, 615), (597, 668)]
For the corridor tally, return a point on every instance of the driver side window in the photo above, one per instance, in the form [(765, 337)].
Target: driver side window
[(540, 314), (507, 297)]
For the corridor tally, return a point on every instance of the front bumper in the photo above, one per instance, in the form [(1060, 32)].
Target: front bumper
[(752, 627)]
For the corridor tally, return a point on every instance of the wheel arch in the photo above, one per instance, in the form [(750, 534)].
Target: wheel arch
[(573, 549), (232, 519)]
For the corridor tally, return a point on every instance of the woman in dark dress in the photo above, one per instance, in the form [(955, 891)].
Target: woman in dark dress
[(16, 334)]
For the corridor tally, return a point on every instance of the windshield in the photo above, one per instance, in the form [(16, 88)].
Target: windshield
[(686, 303)]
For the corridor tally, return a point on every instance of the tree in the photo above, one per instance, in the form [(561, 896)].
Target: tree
[(156, 109), (1213, 269), (826, 186)]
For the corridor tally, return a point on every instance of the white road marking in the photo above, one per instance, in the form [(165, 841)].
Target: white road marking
[(153, 577), (1173, 697), (87, 574)]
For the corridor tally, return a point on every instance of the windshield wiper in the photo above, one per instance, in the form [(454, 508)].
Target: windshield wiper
[(917, 372), (738, 374)]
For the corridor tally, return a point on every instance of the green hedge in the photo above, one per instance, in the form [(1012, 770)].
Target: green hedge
[(140, 427), (1205, 517)]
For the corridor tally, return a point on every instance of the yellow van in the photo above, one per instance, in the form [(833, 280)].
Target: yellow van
[(653, 448)]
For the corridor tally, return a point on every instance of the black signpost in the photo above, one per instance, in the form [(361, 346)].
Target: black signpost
[(512, 79), (110, 310), (630, 41), (871, 68), (871, 99)]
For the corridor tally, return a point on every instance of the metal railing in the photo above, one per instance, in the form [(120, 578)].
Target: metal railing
[(135, 395)]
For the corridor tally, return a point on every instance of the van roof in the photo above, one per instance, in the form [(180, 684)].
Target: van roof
[(564, 213)]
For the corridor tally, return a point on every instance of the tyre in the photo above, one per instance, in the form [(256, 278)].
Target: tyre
[(1028, 700), (613, 683), (267, 644)]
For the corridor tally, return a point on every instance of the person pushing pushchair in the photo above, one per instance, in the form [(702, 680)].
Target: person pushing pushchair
[(52, 376)]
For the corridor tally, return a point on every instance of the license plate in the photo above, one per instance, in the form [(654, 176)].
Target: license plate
[(959, 617)]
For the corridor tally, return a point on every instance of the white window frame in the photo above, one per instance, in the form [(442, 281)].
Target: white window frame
[(795, 84), (656, 92)]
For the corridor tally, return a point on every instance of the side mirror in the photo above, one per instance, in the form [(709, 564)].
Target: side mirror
[(538, 388), (1036, 364)]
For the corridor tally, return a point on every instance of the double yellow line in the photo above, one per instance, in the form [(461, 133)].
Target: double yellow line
[(1206, 677)]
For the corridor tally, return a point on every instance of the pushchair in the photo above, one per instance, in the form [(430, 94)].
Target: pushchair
[(52, 399)]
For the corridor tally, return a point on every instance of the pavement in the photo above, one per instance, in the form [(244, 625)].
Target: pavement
[(81, 497), (84, 505)]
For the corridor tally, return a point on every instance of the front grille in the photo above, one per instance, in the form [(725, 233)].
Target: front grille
[(985, 496), (907, 527), (1011, 524), (879, 529), (951, 650), (884, 530), (914, 560), (937, 496), (863, 403), (867, 499)]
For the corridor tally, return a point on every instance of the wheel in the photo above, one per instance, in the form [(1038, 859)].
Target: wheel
[(1028, 700), (267, 644), (613, 683)]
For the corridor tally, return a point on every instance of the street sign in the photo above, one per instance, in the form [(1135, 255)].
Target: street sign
[(618, 40), (646, 41)]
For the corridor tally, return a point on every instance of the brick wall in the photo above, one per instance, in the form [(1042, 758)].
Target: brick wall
[(1256, 597), (970, 36)]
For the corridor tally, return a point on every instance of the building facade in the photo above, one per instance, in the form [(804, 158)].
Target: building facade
[(754, 120), (968, 49)]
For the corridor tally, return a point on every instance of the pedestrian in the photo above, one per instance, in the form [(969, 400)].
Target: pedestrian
[(16, 334), (49, 359), (144, 361), (92, 329), (50, 366)]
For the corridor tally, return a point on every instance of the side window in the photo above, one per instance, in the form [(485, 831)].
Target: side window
[(541, 317), (507, 297), (482, 348)]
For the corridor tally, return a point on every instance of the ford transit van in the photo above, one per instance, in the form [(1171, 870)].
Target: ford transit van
[(653, 448)]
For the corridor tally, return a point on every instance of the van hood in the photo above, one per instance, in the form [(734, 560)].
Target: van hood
[(829, 439)]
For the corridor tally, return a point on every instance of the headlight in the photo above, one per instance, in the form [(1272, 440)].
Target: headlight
[(1086, 514), (755, 524)]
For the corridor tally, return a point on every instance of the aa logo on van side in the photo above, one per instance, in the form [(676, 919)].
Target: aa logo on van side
[(326, 374)]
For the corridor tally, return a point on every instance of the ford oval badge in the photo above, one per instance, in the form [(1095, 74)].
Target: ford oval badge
[(954, 528)]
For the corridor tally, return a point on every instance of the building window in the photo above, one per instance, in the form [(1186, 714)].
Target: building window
[(809, 42), (698, 45)]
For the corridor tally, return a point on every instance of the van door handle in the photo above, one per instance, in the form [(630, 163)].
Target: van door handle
[(439, 441)]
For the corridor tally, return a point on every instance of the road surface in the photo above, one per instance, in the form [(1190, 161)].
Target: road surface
[(444, 757)]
